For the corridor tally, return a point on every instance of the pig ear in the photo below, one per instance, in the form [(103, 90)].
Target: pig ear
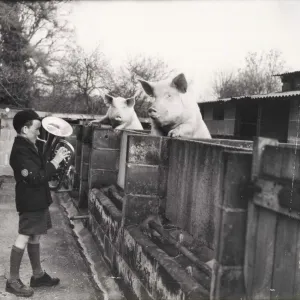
[(148, 88), (180, 83), (130, 102), (108, 99)]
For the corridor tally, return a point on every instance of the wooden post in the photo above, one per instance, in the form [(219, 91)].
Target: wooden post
[(258, 148), (78, 151), (84, 168)]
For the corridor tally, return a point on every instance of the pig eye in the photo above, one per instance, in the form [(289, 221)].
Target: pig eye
[(168, 96)]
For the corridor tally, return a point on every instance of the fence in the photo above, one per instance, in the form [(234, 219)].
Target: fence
[(273, 238), (196, 185), (201, 188)]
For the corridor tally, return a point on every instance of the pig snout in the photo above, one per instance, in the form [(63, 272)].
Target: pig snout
[(116, 121), (151, 110), (153, 113)]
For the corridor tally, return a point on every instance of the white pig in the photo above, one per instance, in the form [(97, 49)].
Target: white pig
[(120, 113), (174, 112)]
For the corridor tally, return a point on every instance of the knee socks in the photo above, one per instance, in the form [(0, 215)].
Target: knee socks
[(15, 262), (34, 257)]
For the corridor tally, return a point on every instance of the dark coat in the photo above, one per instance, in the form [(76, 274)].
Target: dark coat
[(32, 174)]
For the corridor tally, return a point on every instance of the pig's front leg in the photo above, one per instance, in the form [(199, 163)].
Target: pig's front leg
[(155, 130), (98, 121), (181, 130), (121, 126)]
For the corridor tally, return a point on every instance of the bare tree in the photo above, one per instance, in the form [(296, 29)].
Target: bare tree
[(225, 85), (46, 32), (30, 35), (15, 80), (255, 78), (82, 77)]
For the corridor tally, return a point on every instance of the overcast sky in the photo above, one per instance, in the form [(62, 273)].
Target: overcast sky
[(194, 37)]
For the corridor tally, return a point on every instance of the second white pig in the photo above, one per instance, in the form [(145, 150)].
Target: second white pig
[(120, 113)]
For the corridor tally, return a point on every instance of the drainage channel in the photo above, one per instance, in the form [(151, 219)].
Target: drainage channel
[(101, 274)]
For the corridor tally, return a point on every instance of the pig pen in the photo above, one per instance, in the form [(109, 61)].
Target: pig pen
[(168, 215)]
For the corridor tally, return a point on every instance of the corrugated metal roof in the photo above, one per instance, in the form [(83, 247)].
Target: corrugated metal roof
[(241, 97), (277, 95), (288, 73), (216, 100), (264, 96)]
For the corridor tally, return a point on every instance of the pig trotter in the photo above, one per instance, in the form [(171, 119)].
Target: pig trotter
[(98, 122), (181, 130), (174, 133), (121, 126)]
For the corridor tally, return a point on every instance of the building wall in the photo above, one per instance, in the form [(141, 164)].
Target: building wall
[(266, 126), (274, 118), (294, 129), (224, 127), (208, 110)]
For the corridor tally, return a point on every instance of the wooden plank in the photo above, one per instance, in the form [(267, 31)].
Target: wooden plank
[(175, 202), (173, 178), (192, 184), (197, 173), (285, 257), (185, 192), (296, 287), (123, 160), (253, 217), (253, 212), (264, 254), (182, 172)]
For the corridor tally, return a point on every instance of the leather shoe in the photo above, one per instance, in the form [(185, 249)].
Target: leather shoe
[(18, 288), (45, 280)]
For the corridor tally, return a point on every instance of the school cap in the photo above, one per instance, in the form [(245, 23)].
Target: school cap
[(24, 116)]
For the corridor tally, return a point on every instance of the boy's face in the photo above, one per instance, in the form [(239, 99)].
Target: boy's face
[(33, 131)]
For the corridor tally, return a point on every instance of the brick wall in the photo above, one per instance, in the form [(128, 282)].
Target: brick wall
[(163, 175), (104, 159)]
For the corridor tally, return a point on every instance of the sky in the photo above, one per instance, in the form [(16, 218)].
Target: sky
[(198, 38)]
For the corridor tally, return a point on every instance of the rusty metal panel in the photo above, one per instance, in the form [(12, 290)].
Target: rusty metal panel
[(282, 161)]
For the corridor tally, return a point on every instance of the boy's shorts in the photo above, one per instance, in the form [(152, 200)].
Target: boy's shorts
[(34, 222)]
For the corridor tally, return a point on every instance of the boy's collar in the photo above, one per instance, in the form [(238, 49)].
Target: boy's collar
[(24, 137)]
